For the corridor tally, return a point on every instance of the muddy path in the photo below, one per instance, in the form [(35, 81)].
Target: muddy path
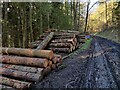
[(97, 67)]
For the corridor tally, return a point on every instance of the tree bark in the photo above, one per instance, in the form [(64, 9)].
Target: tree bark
[(29, 52), (59, 45), (21, 75), (106, 14), (54, 60), (38, 62), (47, 70), (14, 83), (53, 66), (59, 58), (6, 87), (30, 20), (50, 63), (44, 43), (87, 14), (65, 50), (4, 28), (63, 41), (23, 68), (32, 46), (64, 37)]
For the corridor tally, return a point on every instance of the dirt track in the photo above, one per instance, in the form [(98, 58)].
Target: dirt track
[(98, 67)]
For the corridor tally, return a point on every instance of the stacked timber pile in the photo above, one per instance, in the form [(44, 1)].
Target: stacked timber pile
[(22, 67), (64, 41), (82, 38)]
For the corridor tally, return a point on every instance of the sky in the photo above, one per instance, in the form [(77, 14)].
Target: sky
[(91, 3)]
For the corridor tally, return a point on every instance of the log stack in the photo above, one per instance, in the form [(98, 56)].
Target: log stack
[(82, 38), (22, 67), (63, 41)]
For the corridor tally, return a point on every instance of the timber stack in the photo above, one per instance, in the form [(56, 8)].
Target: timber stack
[(82, 38), (62, 41), (22, 67)]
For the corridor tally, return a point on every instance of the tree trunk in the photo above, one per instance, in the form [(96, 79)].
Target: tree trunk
[(106, 14), (14, 83), (23, 68), (44, 43), (5, 24), (86, 20), (30, 19), (75, 14), (29, 52), (21, 75), (38, 62)]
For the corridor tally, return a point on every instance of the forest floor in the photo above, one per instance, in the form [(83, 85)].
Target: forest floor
[(97, 67)]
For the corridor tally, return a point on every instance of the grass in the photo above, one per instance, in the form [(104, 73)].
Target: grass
[(86, 45)]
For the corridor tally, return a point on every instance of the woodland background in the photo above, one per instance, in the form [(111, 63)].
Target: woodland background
[(23, 22)]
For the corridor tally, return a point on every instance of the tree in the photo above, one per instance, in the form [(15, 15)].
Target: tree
[(87, 14)]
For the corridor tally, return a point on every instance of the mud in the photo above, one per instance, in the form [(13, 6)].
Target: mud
[(97, 67)]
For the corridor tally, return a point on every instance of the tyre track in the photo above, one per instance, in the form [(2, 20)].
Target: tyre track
[(113, 60)]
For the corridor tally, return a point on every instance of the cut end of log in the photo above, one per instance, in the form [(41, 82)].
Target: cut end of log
[(46, 63), (47, 70), (50, 63), (53, 66)]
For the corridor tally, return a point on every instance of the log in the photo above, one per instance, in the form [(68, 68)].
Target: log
[(38, 62), (64, 37), (53, 66), (21, 75), (64, 33), (71, 44), (63, 41), (14, 83), (59, 45), (24, 68), (34, 45), (54, 60), (59, 58), (50, 63), (47, 70), (58, 64), (4, 87), (68, 31), (65, 50), (44, 35), (44, 43), (77, 46), (36, 42), (59, 34), (29, 52)]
